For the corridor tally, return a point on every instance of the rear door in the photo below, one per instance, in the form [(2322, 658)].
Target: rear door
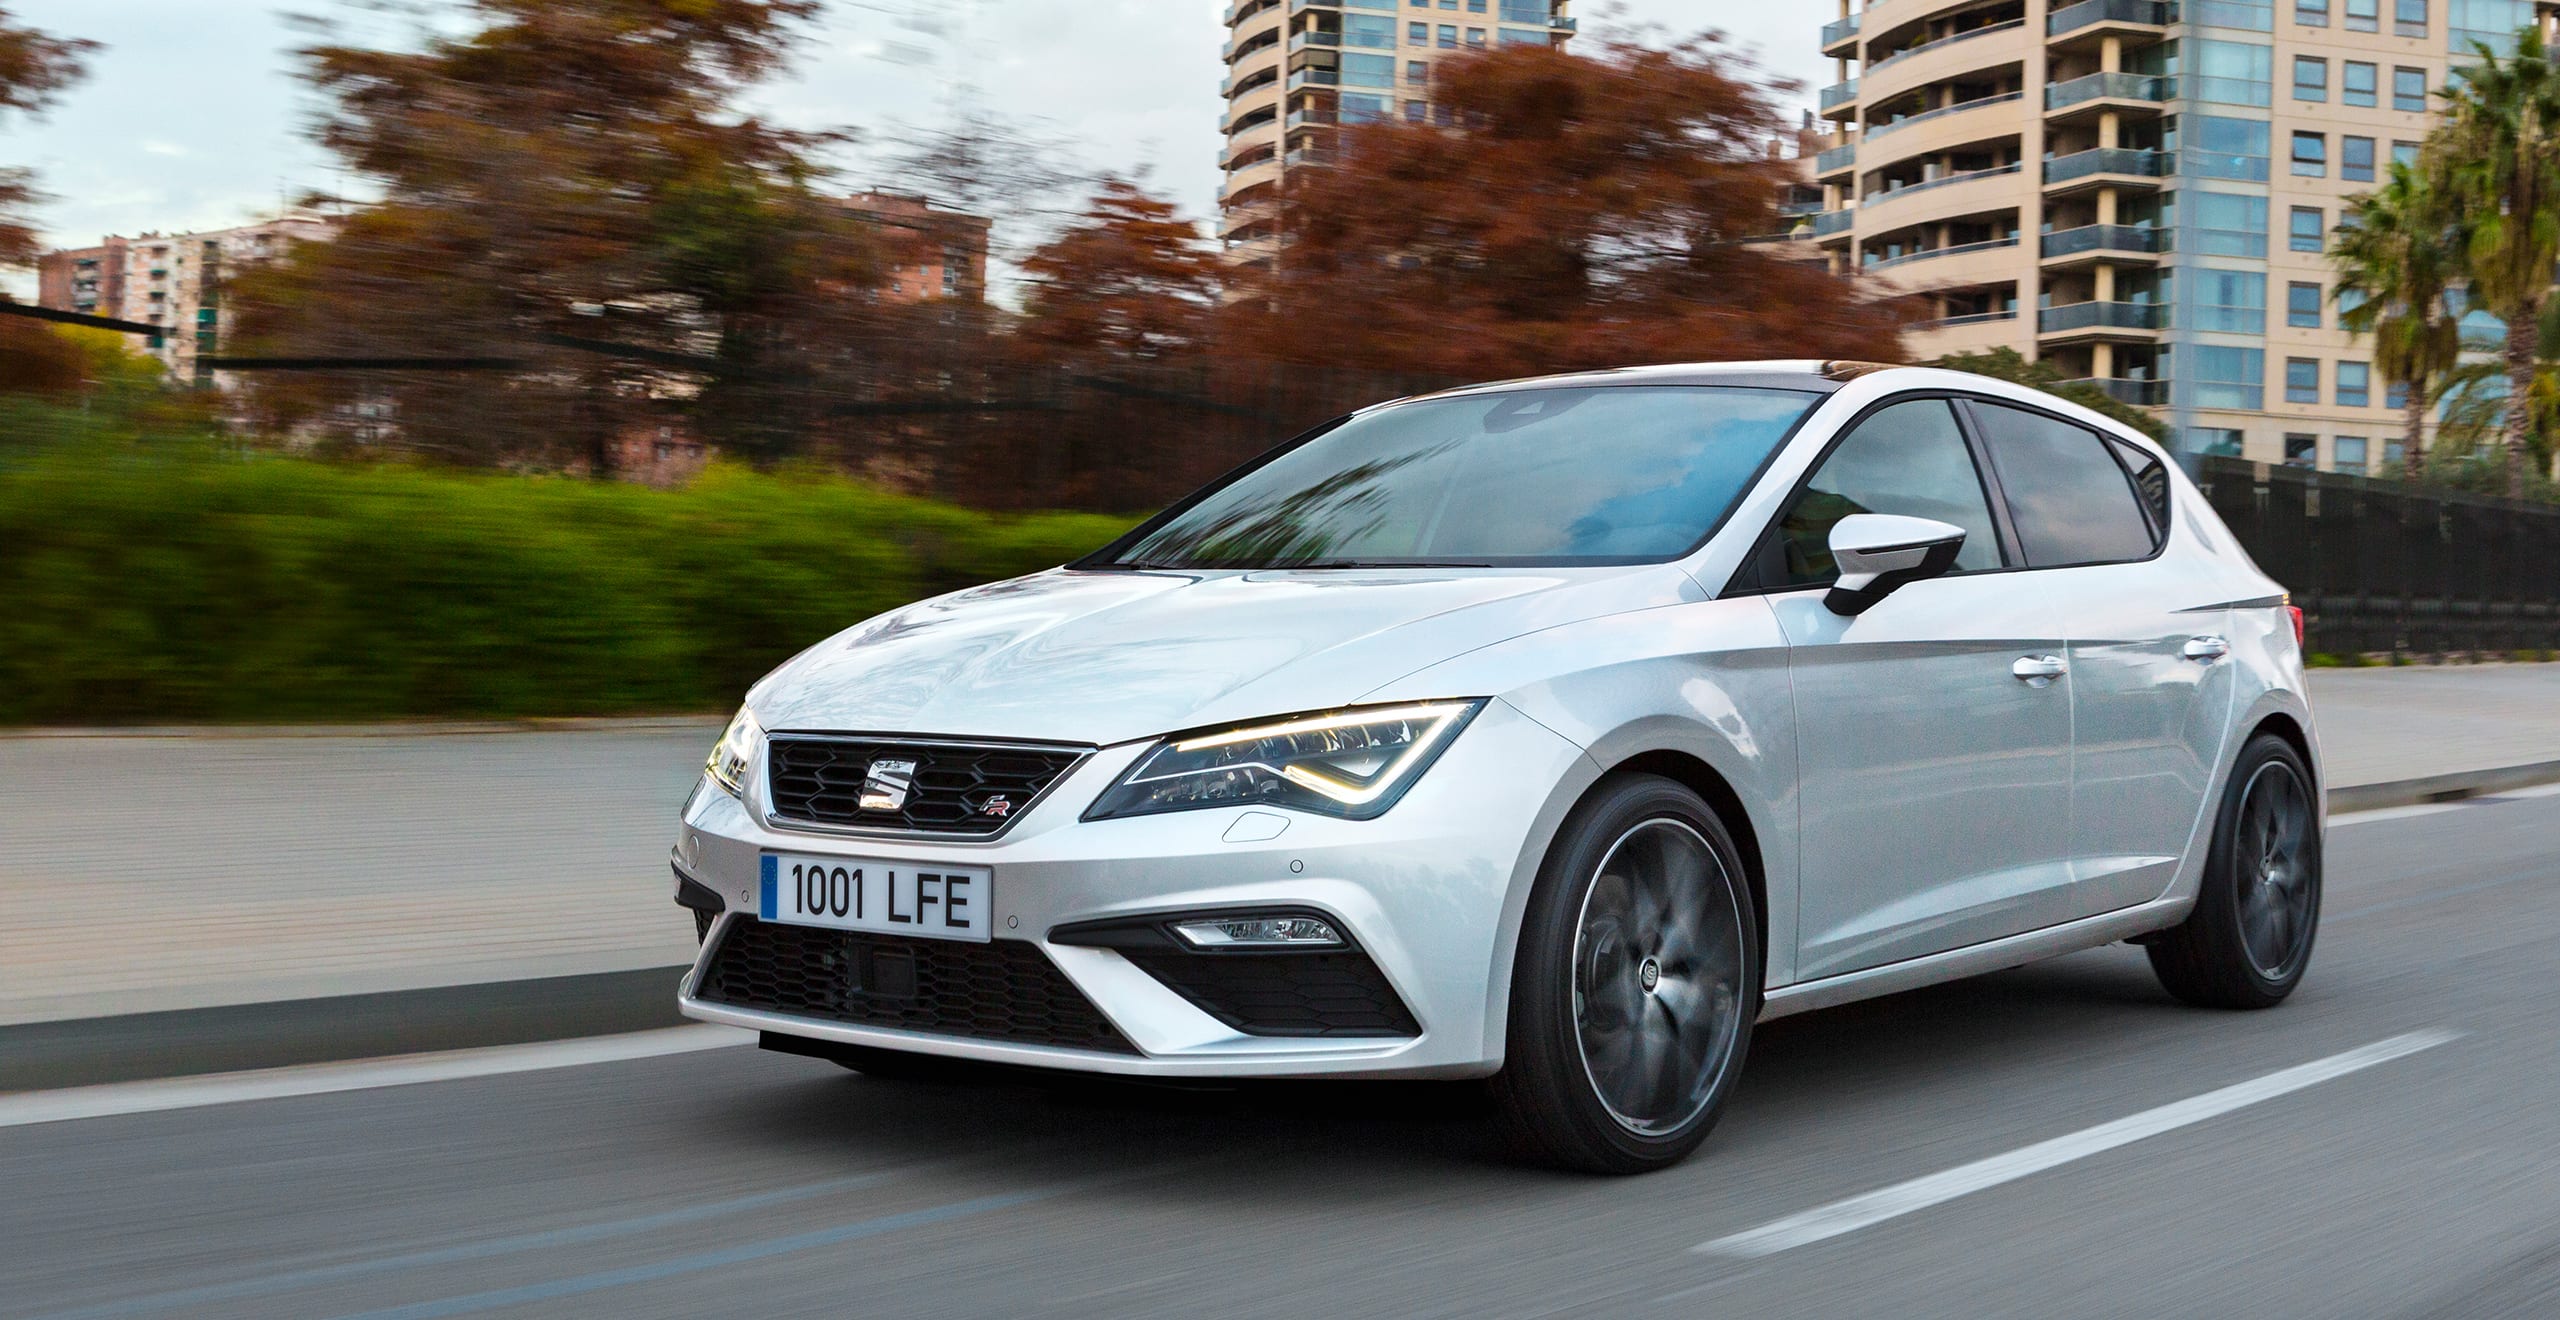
[(1934, 799), (2150, 689)]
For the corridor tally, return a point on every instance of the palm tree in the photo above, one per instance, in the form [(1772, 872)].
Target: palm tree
[(2395, 253), (2500, 145)]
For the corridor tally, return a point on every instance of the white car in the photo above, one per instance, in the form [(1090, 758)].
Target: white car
[(1553, 732)]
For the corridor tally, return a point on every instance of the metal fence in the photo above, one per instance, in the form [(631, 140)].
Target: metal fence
[(2378, 566)]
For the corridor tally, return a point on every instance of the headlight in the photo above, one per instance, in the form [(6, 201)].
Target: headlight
[(1352, 763), (737, 750)]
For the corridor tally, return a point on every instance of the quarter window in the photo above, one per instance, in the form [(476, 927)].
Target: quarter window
[(1906, 458), (2071, 501)]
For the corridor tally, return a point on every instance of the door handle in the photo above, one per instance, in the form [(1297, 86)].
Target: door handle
[(2039, 669), (2206, 650)]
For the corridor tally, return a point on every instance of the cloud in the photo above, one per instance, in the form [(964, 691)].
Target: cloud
[(158, 148)]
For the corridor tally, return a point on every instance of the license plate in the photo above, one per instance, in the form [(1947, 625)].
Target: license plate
[(888, 898)]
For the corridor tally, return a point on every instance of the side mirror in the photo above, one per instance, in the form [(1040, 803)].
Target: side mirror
[(1879, 553)]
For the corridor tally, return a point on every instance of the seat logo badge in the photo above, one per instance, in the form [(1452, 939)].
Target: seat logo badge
[(1649, 975), (885, 785), (999, 805)]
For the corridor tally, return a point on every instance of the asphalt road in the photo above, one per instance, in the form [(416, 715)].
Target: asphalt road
[(727, 1181)]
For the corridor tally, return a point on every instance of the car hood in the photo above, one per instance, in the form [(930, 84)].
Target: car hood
[(1105, 657)]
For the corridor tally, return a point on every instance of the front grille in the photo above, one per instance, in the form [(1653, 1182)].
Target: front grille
[(1004, 990), (971, 790), (1284, 994)]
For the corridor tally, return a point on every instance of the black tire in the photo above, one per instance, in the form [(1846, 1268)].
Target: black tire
[(1591, 976), (2257, 915)]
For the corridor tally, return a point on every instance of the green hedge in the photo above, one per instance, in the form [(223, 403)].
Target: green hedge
[(143, 586)]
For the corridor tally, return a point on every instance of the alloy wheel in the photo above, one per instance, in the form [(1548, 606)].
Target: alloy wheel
[(2278, 882), (1657, 976)]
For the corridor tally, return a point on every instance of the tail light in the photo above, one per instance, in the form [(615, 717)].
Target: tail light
[(2294, 612)]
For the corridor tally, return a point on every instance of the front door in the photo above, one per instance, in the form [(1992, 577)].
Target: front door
[(1933, 743)]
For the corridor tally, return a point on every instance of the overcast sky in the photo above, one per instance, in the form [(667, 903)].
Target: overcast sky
[(191, 117)]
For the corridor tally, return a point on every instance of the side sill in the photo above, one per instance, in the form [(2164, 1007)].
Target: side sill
[(1974, 960)]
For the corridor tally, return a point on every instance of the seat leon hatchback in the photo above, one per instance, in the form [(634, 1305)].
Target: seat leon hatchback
[(1552, 732)]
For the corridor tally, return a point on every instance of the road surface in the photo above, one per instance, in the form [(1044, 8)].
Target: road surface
[(2054, 1140)]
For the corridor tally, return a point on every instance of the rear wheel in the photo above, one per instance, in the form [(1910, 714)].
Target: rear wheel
[(1636, 983), (2250, 936)]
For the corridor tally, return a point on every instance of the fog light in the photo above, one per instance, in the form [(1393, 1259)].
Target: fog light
[(1258, 932)]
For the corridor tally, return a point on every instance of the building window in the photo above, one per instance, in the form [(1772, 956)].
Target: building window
[(2364, 15), (1417, 34), (2409, 90), (2235, 72), (2355, 384), (2234, 301), (2359, 83), (2491, 23), (2231, 225), (1449, 36), (1368, 30), (1415, 71), (1475, 6), (2310, 78), (1417, 112), (2395, 396), (2409, 18), (2213, 441), (2255, 15), (1360, 107), (2346, 454), (1369, 71), (2311, 155), (2228, 149), (2302, 380), (2404, 153), (2311, 13), (2308, 230), (2302, 306), (2355, 159), (1475, 37), (2301, 450)]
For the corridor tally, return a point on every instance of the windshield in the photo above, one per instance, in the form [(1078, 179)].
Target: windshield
[(1600, 475)]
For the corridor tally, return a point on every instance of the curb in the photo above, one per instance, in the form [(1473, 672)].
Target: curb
[(38, 1056), (2441, 788), (186, 1042)]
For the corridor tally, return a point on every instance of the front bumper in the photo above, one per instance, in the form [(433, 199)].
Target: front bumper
[(1431, 891)]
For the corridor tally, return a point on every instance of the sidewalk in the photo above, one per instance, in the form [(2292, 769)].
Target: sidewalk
[(153, 873)]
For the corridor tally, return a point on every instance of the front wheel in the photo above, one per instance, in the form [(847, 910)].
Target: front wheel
[(2249, 938), (1637, 980)]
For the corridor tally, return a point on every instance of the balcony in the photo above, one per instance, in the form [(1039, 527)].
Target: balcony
[(1563, 23), (1875, 131), (2087, 239), (2149, 88), (1832, 160), (1309, 156), (2139, 393), (1832, 222), (1907, 258), (1943, 42), (1840, 30), (1315, 78), (2071, 20), (1313, 118), (1305, 39), (2105, 162), (1839, 94), (2076, 318), (1297, 5), (1942, 181)]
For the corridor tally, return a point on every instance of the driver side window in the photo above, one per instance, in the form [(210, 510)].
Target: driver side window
[(1907, 458)]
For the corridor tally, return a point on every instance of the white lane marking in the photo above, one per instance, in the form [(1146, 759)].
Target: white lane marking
[(1857, 1212), (152, 1097)]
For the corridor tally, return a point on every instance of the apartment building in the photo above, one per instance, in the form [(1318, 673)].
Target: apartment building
[(172, 280), (2142, 191), (1297, 69)]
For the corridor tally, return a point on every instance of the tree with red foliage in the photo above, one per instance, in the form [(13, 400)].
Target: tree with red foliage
[(1575, 210), (34, 68), (1131, 279)]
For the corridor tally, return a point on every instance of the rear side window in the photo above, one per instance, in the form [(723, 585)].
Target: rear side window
[(1906, 458), (2068, 497), (2150, 481)]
